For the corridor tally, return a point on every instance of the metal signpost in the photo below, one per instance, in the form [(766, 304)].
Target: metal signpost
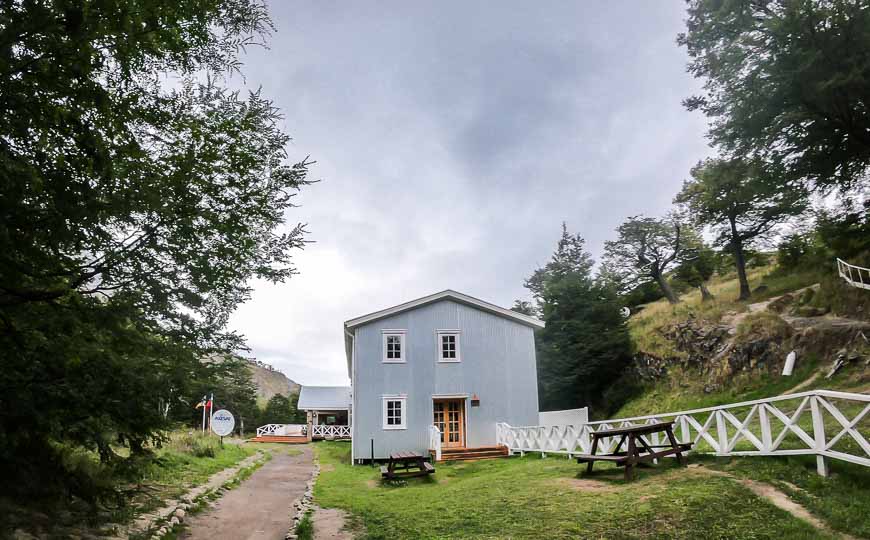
[(222, 423)]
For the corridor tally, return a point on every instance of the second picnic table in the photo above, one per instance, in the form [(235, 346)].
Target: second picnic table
[(406, 464), (634, 436)]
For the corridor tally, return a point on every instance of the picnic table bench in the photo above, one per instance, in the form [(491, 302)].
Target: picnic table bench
[(632, 456), (405, 465)]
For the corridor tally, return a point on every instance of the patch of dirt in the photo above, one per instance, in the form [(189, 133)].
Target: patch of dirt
[(583, 484), (372, 484), (331, 523), (804, 384), (775, 497), (329, 467), (781, 500)]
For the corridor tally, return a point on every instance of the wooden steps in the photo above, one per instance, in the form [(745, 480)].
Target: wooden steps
[(285, 439), (472, 454)]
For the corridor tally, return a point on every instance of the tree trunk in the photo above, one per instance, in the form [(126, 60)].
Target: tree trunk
[(666, 288), (740, 261), (706, 295)]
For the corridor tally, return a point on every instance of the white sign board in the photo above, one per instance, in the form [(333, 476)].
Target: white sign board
[(222, 422)]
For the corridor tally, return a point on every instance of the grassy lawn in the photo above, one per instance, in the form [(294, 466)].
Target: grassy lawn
[(532, 497)]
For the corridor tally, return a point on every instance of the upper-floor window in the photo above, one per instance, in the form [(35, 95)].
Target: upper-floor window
[(448, 346), (394, 346), (395, 412)]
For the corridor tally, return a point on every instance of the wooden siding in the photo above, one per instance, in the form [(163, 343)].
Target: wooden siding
[(498, 365)]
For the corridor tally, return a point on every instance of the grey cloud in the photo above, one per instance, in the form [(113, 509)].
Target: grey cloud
[(453, 139)]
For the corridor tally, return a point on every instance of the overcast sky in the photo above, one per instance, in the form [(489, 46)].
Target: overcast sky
[(452, 140)]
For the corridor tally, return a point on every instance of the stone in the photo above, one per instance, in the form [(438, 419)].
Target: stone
[(180, 513), (174, 521)]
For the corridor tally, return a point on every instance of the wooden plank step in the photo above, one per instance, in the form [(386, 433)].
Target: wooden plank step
[(473, 449), (473, 455)]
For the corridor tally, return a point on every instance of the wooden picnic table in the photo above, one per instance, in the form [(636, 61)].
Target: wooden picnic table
[(633, 455), (406, 464)]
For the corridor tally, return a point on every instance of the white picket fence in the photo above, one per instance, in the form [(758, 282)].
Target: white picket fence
[(297, 430), (776, 426), (856, 276), (330, 432)]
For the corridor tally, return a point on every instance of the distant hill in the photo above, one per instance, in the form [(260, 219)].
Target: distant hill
[(270, 381)]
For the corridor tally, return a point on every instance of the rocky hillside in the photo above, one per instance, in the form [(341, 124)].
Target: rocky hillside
[(270, 381), (699, 354)]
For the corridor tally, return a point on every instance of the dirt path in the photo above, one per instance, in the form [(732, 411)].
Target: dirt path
[(260, 508), (777, 498), (331, 524)]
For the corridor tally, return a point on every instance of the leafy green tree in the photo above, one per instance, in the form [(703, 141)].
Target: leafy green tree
[(645, 249), (742, 201), (570, 257), (786, 82), (135, 212), (697, 267), (229, 379), (525, 307), (585, 344), (281, 409)]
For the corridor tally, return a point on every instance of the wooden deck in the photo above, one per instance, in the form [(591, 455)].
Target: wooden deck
[(283, 439)]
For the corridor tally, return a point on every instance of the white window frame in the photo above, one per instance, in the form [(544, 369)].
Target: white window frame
[(438, 337), (401, 398), (404, 353)]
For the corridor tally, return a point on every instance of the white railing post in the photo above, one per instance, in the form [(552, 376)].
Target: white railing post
[(435, 441), (819, 436), (722, 432), (764, 420)]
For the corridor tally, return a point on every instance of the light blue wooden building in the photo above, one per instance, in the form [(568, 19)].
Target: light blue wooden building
[(447, 361)]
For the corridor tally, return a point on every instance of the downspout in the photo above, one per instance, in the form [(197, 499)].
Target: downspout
[(352, 414)]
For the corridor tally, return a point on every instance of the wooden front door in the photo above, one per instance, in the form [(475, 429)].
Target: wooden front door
[(449, 418)]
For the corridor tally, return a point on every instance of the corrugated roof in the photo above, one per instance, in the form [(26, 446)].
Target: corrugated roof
[(324, 398)]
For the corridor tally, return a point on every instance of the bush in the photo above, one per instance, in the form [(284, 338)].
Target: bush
[(762, 325), (196, 444)]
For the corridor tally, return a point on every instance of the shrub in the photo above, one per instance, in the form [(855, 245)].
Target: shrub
[(762, 325)]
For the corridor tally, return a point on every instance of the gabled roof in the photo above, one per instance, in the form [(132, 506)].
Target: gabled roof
[(443, 295), (324, 398), (448, 294)]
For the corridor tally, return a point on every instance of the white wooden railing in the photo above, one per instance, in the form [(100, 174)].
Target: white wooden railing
[(435, 441), (856, 276), (792, 424), (330, 432), (299, 430)]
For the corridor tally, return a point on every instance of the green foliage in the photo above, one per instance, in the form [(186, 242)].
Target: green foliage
[(644, 251), (585, 344), (525, 307), (762, 325), (282, 410), (135, 213), (569, 258), (786, 82), (229, 378), (305, 527), (742, 201), (642, 294)]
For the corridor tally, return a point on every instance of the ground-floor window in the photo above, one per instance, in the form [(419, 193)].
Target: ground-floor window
[(395, 412)]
